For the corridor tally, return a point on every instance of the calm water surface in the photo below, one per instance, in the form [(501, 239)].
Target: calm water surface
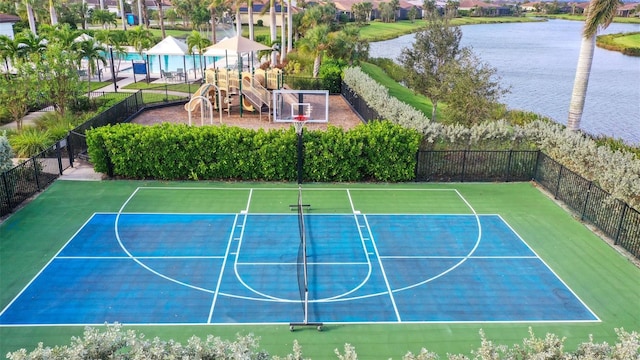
[(538, 62)]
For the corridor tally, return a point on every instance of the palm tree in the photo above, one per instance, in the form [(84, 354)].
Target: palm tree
[(30, 15), (104, 17), (61, 33), (289, 27), (93, 52), (140, 38), (161, 18), (30, 46), (196, 40), (600, 14), (250, 18), (52, 11), (8, 51), (215, 7), (114, 40), (273, 31), (315, 42)]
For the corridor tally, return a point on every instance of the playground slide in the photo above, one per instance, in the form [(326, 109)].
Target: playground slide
[(195, 101), (255, 96)]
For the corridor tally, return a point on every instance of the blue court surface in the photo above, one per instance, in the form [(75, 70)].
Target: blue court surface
[(138, 268)]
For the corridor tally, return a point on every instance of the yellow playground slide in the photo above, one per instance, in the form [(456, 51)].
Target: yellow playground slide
[(195, 101)]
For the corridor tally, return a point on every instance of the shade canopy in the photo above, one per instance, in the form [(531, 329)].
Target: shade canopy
[(236, 44), (169, 46)]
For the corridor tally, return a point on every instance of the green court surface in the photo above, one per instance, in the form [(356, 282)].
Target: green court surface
[(605, 281)]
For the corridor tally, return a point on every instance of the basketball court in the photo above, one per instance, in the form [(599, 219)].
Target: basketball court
[(194, 255)]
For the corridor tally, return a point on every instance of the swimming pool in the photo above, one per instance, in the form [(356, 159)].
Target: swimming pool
[(164, 62)]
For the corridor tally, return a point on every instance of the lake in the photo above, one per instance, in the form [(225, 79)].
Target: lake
[(537, 61)]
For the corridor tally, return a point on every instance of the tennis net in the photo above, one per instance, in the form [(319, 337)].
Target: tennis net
[(302, 265)]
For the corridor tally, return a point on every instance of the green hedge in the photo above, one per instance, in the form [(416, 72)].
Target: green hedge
[(379, 151)]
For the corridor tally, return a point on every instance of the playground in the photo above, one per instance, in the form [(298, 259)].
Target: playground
[(340, 115)]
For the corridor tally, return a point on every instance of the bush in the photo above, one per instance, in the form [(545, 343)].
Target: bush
[(6, 153), (380, 151), (31, 141), (615, 169), (331, 75), (116, 343)]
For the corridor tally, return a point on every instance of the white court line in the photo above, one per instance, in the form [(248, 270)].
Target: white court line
[(384, 273), (551, 270), (46, 265), (139, 257), (224, 263)]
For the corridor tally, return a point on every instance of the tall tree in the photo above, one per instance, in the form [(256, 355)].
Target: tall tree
[(217, 8), (250, 19), (474, 90), (30, 15), (273, 29), (104, 17), (59, 77), (52, 12), (161, 18), (600, 14), (315, 42), (31, 47), (289, 26), (8, 52), (140, 38), (16, 92), (93, 53), (197, 41), (426, 61)]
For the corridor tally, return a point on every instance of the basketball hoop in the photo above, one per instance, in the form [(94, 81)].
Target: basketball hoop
[(298, 122)]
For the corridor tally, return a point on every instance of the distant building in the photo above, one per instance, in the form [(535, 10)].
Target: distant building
[(113, 5), (344, 7), (481, 8), (6, 24), (628, 10)]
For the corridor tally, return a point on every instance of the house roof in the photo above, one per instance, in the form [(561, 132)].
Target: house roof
[(114, 3), (345, 5), (7, 18), (470, 4)]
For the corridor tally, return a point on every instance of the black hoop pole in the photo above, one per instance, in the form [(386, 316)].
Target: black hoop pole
[(300, 158)]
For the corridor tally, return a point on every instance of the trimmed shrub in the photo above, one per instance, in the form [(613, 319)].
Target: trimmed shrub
[(380, 151)]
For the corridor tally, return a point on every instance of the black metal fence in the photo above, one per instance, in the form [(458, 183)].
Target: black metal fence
[(120, 112), (616, 219), (26, 179), (358, 104), (468, 165), (35, 174)]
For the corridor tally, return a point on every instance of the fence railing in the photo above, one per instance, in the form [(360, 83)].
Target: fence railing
[(366, 112), (35, 174), (616, 219), (31, 176), (120, 112), (468, 165)]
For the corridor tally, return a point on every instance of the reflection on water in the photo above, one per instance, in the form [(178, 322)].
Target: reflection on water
[(538, 61)]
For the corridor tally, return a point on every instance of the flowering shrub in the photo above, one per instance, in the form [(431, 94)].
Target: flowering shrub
[(6, 153), (116, 343), (616, 171)]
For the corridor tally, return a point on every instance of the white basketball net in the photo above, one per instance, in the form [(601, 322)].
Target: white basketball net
[(299, 124)]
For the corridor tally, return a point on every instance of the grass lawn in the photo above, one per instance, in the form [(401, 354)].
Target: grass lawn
[(631, 40), (601, 277), (419, 102)]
